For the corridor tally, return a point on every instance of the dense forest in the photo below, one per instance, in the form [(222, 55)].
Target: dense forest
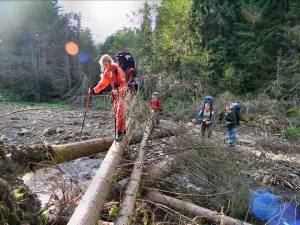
[(243, 46)]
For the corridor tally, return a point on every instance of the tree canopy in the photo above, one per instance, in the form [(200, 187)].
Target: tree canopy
[(243, 46)]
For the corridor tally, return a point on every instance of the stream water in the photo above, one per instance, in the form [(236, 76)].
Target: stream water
[(53, 182)]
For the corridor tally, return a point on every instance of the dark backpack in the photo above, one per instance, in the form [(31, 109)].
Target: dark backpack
[(237, 112), (127, 63)]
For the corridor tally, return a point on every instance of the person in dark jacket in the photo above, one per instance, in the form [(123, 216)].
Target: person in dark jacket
[(230, 122), (206, 118)]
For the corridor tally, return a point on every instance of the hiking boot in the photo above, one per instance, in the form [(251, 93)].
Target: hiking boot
[(120, 136)]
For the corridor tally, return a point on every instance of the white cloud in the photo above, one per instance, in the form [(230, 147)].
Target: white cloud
[(103, 18)]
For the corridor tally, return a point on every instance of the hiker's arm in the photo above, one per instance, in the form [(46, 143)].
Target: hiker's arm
[(200, 116), (229, 119), (103, 83), (213, 119), (122, 80)]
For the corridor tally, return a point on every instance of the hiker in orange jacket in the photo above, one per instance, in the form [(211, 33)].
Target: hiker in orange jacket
[(115, 76)]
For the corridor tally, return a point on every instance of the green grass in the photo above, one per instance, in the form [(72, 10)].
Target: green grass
[(12, 99), (294, 113), (43, 105), (291, 133), (101, 103), (171, 105)]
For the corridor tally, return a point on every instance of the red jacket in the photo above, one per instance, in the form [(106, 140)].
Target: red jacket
[(115, 75), (155, 104)]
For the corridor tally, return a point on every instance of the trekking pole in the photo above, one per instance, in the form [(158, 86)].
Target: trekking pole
[(86, 110), (115, 118)]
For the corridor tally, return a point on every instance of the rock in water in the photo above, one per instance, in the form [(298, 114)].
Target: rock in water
[(22, 132), (3, 138)]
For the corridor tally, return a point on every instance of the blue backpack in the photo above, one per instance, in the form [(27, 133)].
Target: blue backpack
[(209, 99)]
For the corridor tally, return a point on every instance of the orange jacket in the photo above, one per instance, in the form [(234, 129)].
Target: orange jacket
[(114, 76)]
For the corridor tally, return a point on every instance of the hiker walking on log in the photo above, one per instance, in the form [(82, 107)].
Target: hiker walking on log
[(155, 105), (206, 116), (115, 76)]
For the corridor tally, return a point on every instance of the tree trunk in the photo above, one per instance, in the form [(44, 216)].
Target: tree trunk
[(71, 151), (151, 177), (166, 166), (132, 189), (87, 211), (193, 209), (67, 66), (40, 155), (75, 150)]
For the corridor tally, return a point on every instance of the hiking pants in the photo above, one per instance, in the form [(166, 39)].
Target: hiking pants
[(232, 135), (119, 110), (205, 128)]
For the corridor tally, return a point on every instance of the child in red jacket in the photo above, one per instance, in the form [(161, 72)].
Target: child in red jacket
[(155, 105)]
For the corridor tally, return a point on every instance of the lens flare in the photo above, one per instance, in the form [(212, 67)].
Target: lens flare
[(269, 207), (297, 222), (84, 57), (71, 48), (286, 215), (264, 205)]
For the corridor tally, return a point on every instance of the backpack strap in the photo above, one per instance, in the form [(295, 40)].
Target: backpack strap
[(234, 117), (116, 84)]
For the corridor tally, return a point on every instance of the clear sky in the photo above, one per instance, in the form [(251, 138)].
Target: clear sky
[(104, 17)]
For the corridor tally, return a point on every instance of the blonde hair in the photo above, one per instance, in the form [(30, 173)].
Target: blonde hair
[(105, 58)]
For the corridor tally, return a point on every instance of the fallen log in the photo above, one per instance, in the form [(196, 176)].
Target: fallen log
[(71, 151), (87, 211), (161, 170), (41, 155), (193, 209), (132, 189)]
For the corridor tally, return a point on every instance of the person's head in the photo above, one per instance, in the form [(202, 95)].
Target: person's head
[(155, 95), (207, 106), (227, 109), (105, 61)]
